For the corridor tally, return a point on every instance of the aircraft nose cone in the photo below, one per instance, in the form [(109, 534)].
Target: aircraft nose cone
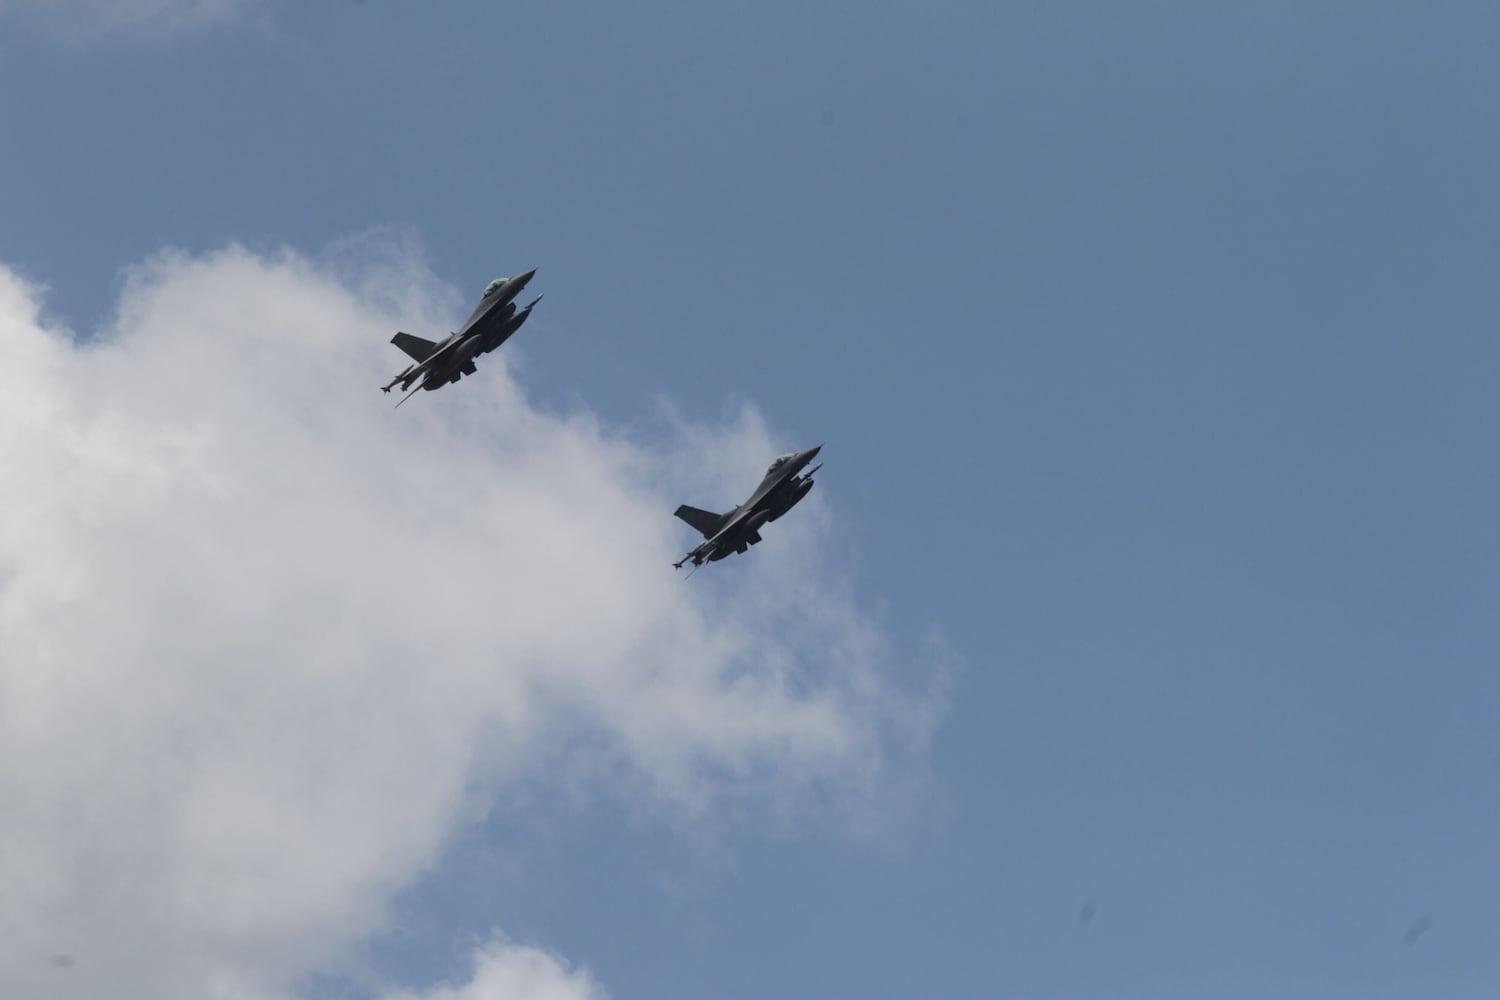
[(523, 279), (812, 452)]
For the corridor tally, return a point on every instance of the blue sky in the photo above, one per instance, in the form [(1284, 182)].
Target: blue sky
[(1152, 350)]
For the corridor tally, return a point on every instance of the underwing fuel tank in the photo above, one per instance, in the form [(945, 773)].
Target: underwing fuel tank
[(510, 326), (756, 523), (802, 491)]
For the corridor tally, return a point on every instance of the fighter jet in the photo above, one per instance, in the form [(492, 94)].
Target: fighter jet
[(490, 324), (737, 530)]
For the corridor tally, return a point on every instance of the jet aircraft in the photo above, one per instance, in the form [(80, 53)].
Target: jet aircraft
[(737, 530), (490, 324)]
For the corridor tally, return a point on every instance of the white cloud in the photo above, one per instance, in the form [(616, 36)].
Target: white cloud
[(265, 643), (503, 971)]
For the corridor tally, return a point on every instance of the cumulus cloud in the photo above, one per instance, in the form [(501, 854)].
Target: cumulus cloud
[(266, 644), (503, 970), (90, 18)]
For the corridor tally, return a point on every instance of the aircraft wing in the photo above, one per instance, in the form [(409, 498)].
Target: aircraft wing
[(419, 349), (733, 523), (474, 317), (705, 522), (763, 490), (440, 349)]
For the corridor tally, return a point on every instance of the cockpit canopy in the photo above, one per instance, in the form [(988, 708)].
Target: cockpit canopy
[(494, 286), (780, 461)]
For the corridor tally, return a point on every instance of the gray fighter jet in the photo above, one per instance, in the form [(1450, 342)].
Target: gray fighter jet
[(740, 528), (490, 325)]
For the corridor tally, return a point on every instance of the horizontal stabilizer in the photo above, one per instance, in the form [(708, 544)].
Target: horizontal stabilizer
[(705, 522), (417, 348)]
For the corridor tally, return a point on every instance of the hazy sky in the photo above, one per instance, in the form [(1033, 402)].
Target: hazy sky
[(1139, 642)]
